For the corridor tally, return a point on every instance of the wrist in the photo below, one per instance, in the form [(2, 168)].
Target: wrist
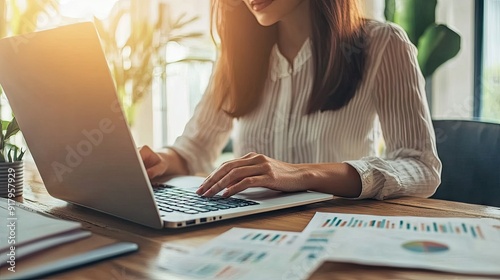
[(339, 179), (177, 165)]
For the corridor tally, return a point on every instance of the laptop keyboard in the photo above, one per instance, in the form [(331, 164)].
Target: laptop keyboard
[(172, 199)]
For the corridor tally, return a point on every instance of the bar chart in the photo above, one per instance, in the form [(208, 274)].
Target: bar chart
[(236, 255), (404, 224), (269, 238)]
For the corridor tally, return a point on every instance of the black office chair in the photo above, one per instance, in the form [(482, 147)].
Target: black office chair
[(470, 153)]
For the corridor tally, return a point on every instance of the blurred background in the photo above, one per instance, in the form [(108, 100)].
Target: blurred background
[(161, 54)]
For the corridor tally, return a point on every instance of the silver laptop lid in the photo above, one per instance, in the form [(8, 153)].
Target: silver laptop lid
[(61, 91)]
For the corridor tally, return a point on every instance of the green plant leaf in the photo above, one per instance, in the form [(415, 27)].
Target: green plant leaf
[(181, 21), (2, 139), (9, 155), (5, 124), (12, 129), (415, 16), (438, 45), (181, 37), (390, 9), (15, 154), (21, 155)]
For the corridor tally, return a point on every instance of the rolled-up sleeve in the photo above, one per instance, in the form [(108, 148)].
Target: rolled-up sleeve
[(410, 166), (205, 135)]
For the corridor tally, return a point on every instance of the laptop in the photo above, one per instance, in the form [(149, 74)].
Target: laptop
[(62, 93)]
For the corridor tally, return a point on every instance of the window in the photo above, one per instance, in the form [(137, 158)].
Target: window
[(188, 71), (181, 90), (487, 105)]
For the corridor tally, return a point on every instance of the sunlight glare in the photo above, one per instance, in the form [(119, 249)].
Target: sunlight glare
[(86, 8)]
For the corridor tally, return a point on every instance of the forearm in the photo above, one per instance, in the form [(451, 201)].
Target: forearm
[(339, 179)]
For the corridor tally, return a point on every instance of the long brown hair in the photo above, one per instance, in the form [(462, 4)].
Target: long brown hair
[(245, 47)]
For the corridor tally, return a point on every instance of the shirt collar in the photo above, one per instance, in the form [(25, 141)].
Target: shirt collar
[(280, 67)]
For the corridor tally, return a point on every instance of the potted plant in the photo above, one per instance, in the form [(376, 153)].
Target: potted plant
[(11, 162), (135, 55), (436, 43)]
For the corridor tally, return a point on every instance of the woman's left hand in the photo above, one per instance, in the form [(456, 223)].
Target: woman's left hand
[(254, 170)]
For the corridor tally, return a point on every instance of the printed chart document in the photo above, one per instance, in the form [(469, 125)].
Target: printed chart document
[(252, 254), (460, 245)]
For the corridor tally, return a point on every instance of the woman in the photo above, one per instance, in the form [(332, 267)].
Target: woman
[(310, 84)]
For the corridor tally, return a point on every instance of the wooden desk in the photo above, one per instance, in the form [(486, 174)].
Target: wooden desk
[(143, 264)]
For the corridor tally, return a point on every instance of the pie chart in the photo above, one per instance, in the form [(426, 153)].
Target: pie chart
[(425, 247)]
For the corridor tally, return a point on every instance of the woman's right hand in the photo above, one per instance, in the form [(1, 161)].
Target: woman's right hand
[(163, 163)]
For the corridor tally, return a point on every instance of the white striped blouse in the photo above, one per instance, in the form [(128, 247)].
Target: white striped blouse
[(389, 104)]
